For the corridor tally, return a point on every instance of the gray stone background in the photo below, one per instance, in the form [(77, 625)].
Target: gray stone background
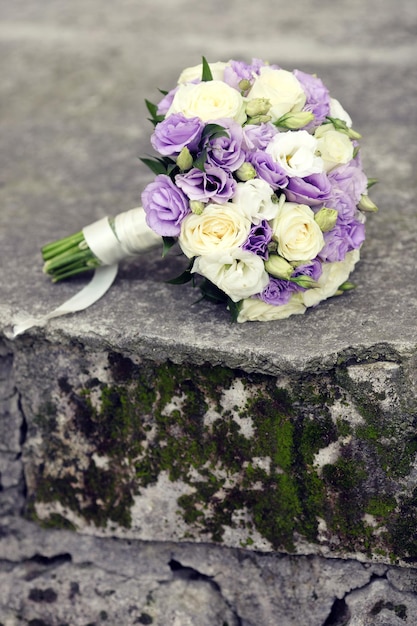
[(74, 76)]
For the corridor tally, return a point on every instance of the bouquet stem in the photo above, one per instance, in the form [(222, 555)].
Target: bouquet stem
[(68, 257)]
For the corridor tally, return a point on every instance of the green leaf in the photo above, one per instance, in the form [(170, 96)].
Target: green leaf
[(164, 92), (372, 182), (153, 110), (183, 278), (206, 75), (212, 131), (167, 243), (234, 309), (200, 161), (211, 292), (156, 166)]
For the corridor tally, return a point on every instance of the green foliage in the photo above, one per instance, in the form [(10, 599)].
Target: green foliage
[(206, 74)]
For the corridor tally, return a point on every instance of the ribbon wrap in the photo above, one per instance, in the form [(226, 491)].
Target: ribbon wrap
[(129, 236)]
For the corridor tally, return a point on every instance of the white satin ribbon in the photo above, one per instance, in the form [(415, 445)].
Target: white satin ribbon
[(131, 235)]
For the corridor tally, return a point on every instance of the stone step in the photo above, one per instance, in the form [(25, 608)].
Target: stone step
[(150, 423)]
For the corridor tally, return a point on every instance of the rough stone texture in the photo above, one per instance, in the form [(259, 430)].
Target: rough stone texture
[(56, 576), (309, 463), (342, 380)]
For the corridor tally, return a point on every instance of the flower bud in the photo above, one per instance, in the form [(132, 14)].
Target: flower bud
[(244, 85), (259, 119), (304, 281), (246, 172), (346, 286), (197, 207), (184, 159), (326, 219), (278, 267), (294, 121), (257, 106), (366, 204), (342, 126)]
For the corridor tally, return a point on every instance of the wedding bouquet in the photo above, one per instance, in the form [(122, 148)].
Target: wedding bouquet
[(259, 181)]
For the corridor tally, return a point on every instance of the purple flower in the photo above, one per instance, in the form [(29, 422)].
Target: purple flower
[(314, 190), (226, 152), (165, 206), (312, 269), (348, 183), (278, 291), (318, 98), (268, 169), (235, 71), (258, 136), (165, 103), (213, 184), (176, 132), (342, 239), (259, 237)]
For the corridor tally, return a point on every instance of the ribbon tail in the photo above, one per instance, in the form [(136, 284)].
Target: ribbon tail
[(100, 283)]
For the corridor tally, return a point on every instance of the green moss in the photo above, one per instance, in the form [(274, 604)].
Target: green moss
[(381, 506), (403, 528), (153, 418)]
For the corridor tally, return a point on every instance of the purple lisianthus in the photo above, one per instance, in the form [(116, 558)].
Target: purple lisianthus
[(348, 183), (268, 169), (314, 190), (165, 103), (258, 136), (342, 239), (227, 152), (213, 184), (235, 71), (278, 291), (165, 206), (259, 237), (318, 97), (176, 132), (312, 269)]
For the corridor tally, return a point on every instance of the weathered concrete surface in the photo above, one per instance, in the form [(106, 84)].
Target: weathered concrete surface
[(74, 77)]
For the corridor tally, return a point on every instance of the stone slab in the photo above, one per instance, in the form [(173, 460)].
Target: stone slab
[(74, 77), (74, 124)]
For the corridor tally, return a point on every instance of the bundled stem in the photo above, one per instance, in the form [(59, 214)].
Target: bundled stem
[(68, 257)]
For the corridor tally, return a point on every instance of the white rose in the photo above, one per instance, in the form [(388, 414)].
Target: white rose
[(221, 227), (254, 198), (336, 110), (210, 100), (189, 74), (281, 88), (295, 152), (333, 275), (298, 235), (255, 310), (238, 273), (334, 147)]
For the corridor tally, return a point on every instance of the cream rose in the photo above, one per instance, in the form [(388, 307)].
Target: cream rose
[(210, 100), (298, 235), (295, 152), (333, 275), (255, 199), (238, 273), (334, 147), (220, 228), (281, 88), (190, 74), (255, 310)]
